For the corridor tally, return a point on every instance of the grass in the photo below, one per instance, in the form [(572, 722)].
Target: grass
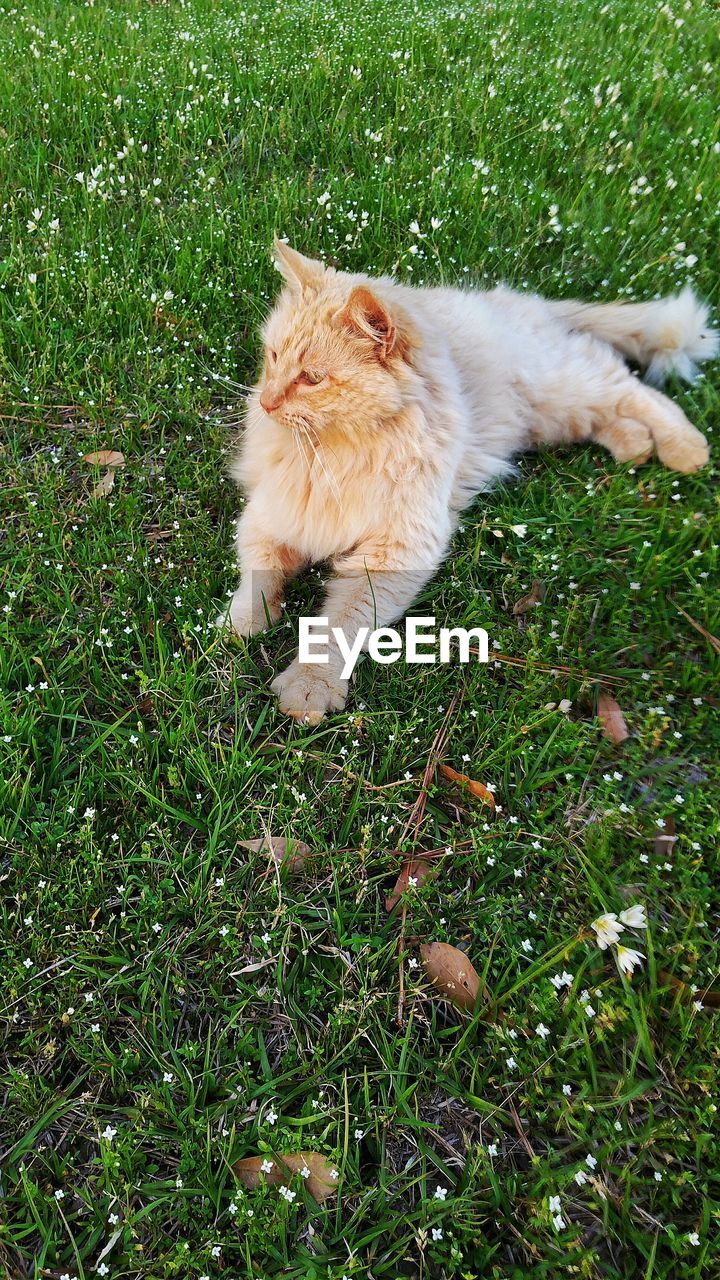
[(165, 992)]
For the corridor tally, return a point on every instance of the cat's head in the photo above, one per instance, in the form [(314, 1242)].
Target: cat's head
[(336, 354)]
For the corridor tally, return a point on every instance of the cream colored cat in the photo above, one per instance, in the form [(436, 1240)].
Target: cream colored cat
[(382, 410)]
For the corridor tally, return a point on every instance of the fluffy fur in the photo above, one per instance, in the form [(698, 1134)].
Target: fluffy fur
[(382, 410)]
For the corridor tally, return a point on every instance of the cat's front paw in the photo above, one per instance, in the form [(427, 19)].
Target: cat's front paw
[(246, 620), (308, 692)]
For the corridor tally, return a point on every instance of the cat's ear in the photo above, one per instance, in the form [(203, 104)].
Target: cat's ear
[(294, 267), (365, 315)]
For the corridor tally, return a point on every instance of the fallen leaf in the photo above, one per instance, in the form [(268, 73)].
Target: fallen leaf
[(104, 485), (611, 718), (105, 458), (452, 973), (711, 999), (534, 597), (292, 854), (320, 1182), (665, 838), (416, 869), (475, 788)]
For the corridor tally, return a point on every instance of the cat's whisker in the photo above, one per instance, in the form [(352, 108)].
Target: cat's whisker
[(332, 482), (226, 381), (300, 448)]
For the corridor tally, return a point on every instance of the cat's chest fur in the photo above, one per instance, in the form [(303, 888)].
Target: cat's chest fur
[(318, 499), (325, 497)]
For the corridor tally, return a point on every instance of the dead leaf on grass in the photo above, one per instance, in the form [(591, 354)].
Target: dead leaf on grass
[(109, 458), (292, 854), (665, 838), (104, 485), (320, 1181), (612, 719), (530, 600), (416, 869), (105, 458), (709, 999), (452, 973)]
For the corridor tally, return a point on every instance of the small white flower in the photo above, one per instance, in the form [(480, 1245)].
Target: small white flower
[(694, 1238), (580, 1177), (271, 1116), (108, 1133), (542, 1030), (437, 1233), (591, 1162), (634, 917), (266, 1166), (519, 529), (59, 1194), (287, 1194), (440, 1193), (492, 1149), (607, 929)]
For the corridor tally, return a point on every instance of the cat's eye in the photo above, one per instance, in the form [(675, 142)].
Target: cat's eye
[(311, 377)]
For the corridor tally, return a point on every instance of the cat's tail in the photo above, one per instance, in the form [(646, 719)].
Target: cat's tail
[(668, 336)]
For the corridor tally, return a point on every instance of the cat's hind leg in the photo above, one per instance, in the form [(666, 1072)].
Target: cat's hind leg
[(644, 421), (586, 392)]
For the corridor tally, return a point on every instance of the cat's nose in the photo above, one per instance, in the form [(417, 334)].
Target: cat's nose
[(271, 399)]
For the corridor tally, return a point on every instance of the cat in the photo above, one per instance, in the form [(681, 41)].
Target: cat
[(383, 409)]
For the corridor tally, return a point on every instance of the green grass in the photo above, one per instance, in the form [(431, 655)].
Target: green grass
[(163, 986)]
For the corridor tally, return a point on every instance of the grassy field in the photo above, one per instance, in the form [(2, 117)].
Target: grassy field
[(170, 1001)]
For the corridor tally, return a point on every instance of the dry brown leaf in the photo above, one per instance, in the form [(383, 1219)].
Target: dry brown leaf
[(665, 838), (711, 999), (292, 854), (104, 485), (612, 719), (475, 788), (105, 458), (320, 1182), (415, 868), (452, 973), (529, 601)]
